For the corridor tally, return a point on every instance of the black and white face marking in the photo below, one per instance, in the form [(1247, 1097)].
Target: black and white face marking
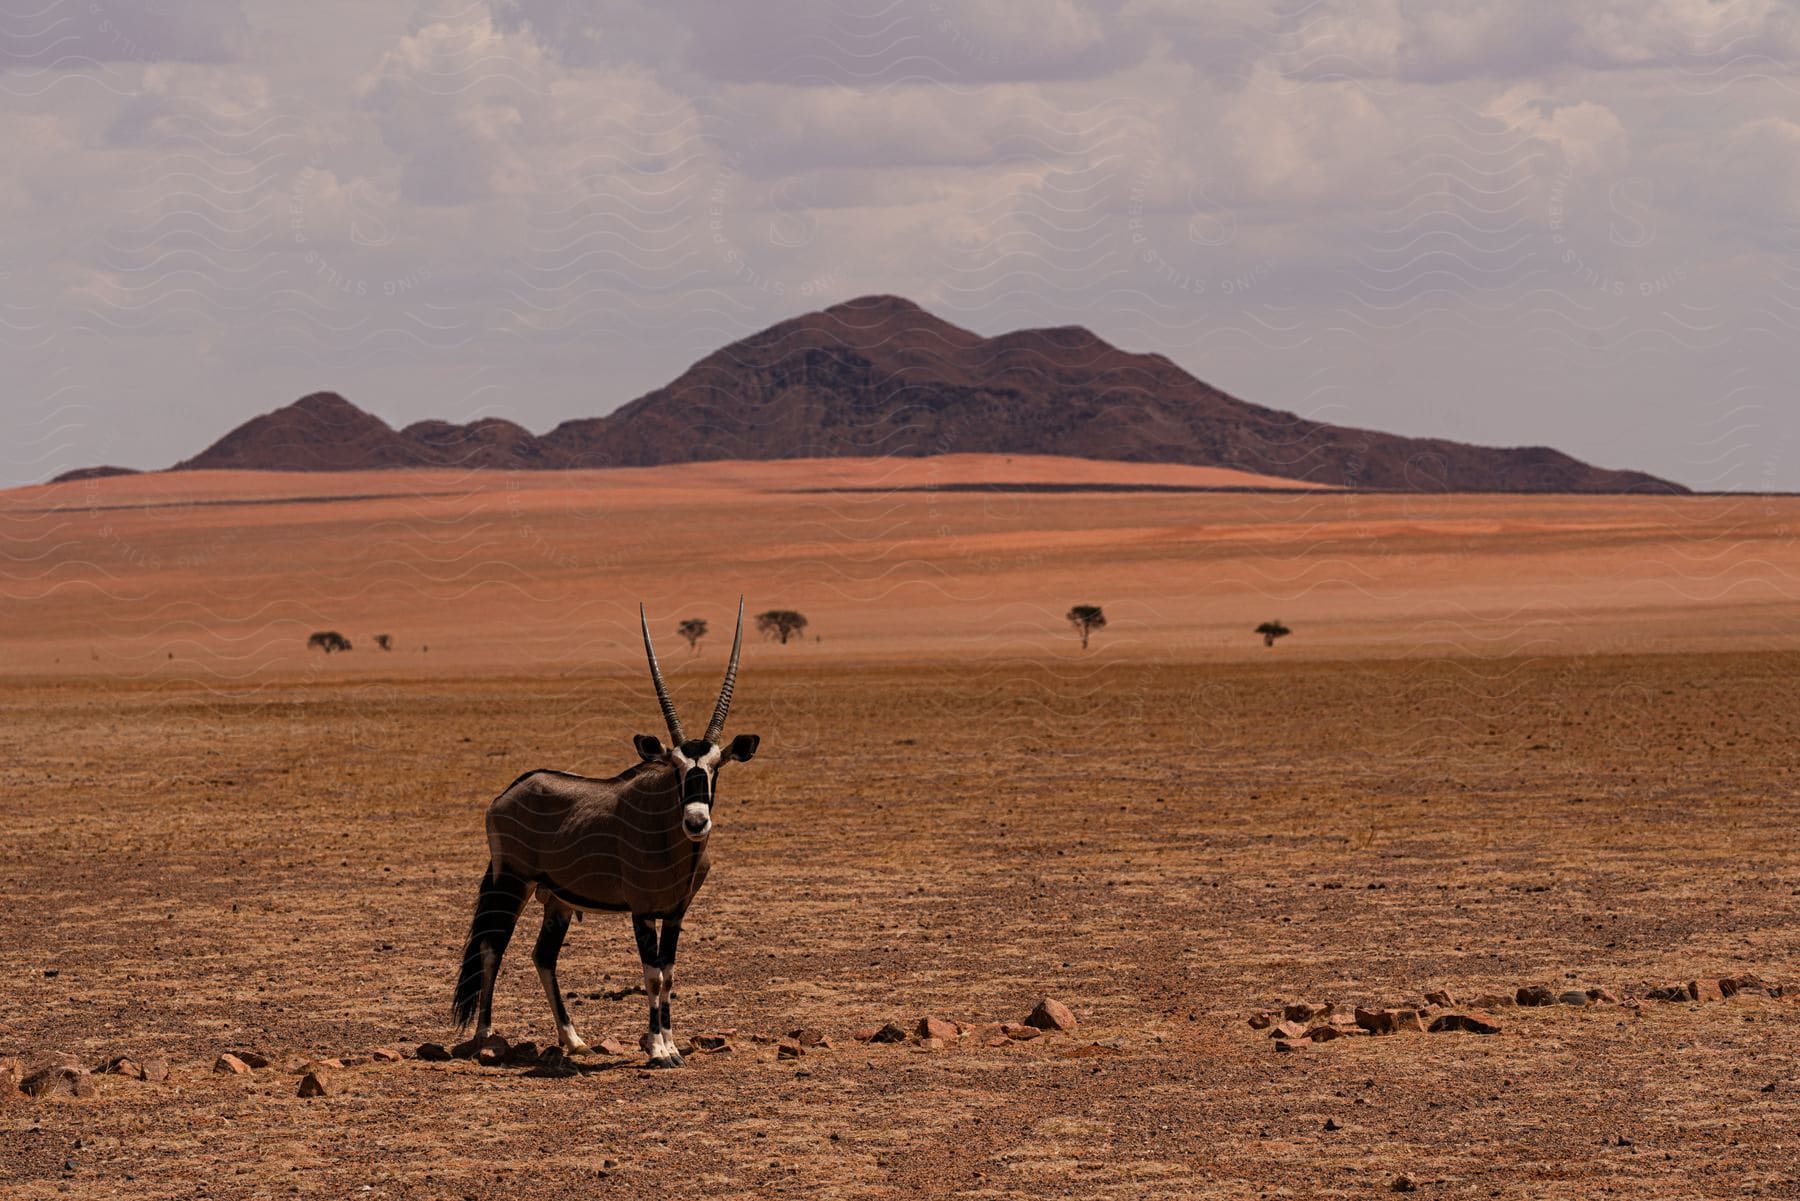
[(697, 767), (696, 763)]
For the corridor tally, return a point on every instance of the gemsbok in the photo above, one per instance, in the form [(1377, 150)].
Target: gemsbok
[(636, 844)]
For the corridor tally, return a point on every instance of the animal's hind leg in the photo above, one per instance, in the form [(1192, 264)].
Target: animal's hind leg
[(503, 895), (549, 946)]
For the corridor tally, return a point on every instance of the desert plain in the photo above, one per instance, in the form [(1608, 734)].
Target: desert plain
[(1512, 741)]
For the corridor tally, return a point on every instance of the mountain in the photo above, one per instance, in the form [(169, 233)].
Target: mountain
[(881, 376)]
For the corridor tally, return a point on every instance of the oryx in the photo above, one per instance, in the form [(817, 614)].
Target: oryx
[(636, 843)]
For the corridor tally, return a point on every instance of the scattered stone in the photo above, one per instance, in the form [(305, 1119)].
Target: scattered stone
[(713, 1042), (231, 1064), (1440, 997), (1304, 1011), (613, 1046), (156, 1069), (1325, 1033), (889, 1033), (1494, 1001), (433, 1052), (11, 1072), (1749, 982), (1389, 1021), (1404, 1184), (932, 1043), (516, 1055), (122, 1065), (1602, 996), (866, 1034), (1020, 1033), (1574, 996), (1535, 994), (1288, 1030), (809, 1036), (1705, 990), (315, 1084), (471, 1048), (1466, 1023), (789, 1050), (938, 1028), (357, 1061), (385, 1055), (1333, 1124), (63, 1080), (1261, 1020), (1290, 1045), (1051, 1015), (255, 1062), (1669, 992)]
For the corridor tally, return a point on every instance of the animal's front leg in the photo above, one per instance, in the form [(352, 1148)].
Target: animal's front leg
[(665, 958), (655, 1043)]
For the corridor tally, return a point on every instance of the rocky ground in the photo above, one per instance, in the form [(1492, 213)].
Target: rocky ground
[(1538, 877)]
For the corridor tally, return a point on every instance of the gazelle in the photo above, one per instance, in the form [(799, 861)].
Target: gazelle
[(636, 844)]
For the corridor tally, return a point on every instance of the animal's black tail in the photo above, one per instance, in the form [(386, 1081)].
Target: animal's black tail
[(496, 913)]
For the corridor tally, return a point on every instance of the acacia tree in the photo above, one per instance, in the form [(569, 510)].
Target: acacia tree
[(385, 641), (1271, 630), (1086, 619), (780, 624), (693, 629), (328, 641)]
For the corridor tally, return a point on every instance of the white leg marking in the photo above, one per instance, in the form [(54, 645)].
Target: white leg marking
[(565, 1031)]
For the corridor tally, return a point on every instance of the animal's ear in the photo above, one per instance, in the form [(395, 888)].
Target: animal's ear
[(742, 747), (649, 747)]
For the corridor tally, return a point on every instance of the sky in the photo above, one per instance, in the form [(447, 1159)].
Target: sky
[(1516, 224)]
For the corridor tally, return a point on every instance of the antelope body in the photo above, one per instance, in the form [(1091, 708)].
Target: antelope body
[(636, 843)]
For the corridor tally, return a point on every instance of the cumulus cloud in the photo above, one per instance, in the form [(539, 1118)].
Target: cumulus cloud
[(70, 34)]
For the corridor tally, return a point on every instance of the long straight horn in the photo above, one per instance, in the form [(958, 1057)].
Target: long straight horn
[(662, 689), (724, 706)]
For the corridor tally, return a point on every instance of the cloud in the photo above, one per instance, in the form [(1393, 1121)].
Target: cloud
[(70, 34)]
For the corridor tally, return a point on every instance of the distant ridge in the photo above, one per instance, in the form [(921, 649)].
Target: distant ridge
[(881, 376)]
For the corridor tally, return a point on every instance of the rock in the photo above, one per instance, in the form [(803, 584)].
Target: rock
[(932, 1043), (256, 1062), (1020, 1033), (11, 1073), (519, 1054), (1051, 1015), (714, 1042), (1602, 996), (433, 1052), (231, 1064), (1495, 1001), (889, 1033), (1669, 992), (1534, 994), (1573, 996), (63, 1080), (614, 1046), (1288, 1030), (357, 1061), (1389, 1021), (1440, 997), (787, 1049), (1705, 990), (938, 1028), (866, 1034), (1325, 1033), (385, 1055), (1404, 1184), (315, 1084), (1289, 1045), (1749, 982), (1333, 1124), (1261, 1020), (808, 1036), (122, 1065), (1466, 1023), (1304, 1011)]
